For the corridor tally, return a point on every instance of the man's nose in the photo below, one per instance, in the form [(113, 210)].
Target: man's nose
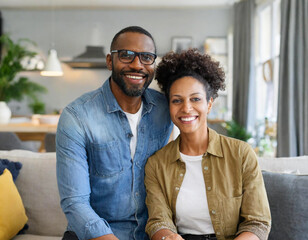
[(136, 63)]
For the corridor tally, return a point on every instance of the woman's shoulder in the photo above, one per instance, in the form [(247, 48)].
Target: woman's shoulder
[(166, 154)]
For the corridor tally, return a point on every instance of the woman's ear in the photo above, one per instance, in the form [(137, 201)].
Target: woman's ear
[(209, 105), (109, 62)]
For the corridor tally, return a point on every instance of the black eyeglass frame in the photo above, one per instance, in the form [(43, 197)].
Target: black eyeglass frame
[(135, 54)]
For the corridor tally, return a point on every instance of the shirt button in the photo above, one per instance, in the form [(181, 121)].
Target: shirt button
[(137, 194), (213, 212), (206, 168), (218, 233), (177, 188), (209, 188), (181, 175)]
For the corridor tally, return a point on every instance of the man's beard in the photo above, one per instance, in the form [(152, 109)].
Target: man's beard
[(134, 90)]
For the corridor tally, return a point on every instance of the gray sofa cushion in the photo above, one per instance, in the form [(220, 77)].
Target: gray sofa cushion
[(288, 199), (37, 186)]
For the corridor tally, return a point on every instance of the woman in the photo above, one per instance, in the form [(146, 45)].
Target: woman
[(202, 185)]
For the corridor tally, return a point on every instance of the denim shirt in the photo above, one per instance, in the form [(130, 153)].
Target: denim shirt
[(101, 188)]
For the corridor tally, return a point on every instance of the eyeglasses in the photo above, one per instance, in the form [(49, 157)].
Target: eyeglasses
[(127, 56)]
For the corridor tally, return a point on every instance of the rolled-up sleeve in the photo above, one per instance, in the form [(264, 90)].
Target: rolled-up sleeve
[(160, 214), (73, 179), (255, 210)]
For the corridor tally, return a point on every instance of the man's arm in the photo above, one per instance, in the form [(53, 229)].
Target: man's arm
[(73, 179)]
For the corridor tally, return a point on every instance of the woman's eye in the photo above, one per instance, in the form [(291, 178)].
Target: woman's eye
[(176, 101), (195, 99)]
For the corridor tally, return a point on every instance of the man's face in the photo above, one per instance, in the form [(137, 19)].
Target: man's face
[(132, 78)]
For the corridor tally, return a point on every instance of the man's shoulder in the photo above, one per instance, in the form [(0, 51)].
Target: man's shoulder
[(156, 95), (86, 97)]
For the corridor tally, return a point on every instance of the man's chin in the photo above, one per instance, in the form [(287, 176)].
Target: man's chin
[(134, 92)]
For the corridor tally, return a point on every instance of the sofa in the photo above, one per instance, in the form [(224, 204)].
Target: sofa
[(286, 181)]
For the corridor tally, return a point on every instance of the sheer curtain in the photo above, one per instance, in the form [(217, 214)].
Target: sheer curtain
[(243, 63), (292, 128)]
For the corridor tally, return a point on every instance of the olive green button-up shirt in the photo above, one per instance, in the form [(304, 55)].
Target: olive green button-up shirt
[(236, 195)]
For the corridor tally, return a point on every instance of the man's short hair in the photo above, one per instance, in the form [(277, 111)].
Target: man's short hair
[(135, 29)]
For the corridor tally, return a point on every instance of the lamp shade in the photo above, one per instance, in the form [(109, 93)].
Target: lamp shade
[(53, 66)]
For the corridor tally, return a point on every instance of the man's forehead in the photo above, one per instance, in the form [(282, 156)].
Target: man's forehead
[(132, 40)]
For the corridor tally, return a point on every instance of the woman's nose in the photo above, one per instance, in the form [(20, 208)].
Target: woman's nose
[(186, 106)]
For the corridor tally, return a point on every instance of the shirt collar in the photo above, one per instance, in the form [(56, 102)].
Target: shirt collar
[(112, 104), (214, 146)]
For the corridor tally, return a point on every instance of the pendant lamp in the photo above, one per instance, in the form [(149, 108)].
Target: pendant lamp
[(53, 66)]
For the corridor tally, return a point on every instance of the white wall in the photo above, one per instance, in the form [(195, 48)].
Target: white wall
[(74, 29)]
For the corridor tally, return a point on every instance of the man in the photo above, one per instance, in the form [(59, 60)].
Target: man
[(103, 141)]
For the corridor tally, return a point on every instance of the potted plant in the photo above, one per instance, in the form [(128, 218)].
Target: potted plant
[(13, 87), (235, 130)]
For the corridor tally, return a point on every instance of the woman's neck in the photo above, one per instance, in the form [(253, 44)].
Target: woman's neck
[(194, 144)]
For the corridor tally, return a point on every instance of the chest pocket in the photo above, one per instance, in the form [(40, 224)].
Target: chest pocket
[(105, 159)]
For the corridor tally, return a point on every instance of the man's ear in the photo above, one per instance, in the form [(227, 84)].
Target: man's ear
[(109, 61), (210, 105)]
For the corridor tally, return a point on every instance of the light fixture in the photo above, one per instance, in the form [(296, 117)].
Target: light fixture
[(53, 66)]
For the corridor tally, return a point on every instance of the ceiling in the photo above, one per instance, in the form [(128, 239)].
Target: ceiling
[(79, 4)]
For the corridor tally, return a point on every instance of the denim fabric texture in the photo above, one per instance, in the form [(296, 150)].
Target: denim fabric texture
[(101, 188)]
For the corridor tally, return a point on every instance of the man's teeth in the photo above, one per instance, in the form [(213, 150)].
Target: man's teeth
[(134, 77), (187, 119)]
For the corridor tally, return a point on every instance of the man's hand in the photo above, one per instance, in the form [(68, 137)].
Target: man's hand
[(106, 237)]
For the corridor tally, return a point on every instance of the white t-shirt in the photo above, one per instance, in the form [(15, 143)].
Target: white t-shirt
[(134, 120), (192, 212)]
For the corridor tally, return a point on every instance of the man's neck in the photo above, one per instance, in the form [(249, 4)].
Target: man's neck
[(127, 103)]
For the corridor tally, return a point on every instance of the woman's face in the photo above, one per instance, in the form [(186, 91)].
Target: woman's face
[(188, 105)]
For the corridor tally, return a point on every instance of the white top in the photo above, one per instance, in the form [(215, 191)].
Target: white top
[(192, 212), (134, 119)]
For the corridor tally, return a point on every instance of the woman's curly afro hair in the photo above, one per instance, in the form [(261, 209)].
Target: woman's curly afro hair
[(194, 64)]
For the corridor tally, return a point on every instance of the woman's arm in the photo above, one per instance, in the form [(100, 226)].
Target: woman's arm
[(255, 207), (159, 209)]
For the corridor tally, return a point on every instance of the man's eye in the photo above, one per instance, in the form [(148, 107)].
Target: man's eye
[(147, 57), (126, 55)]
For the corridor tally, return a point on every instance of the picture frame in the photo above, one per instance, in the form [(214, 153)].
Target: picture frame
[(216, 45), (181, 43)]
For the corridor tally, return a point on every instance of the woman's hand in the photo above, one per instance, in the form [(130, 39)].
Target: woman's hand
[(166, 234), (174, 236), (246, 236)]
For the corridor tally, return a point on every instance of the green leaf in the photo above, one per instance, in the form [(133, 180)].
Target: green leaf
[(11, 87), (235, 130)]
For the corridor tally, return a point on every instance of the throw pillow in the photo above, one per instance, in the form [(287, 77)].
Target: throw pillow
[(12, 212), (13, 167), (288, 199)]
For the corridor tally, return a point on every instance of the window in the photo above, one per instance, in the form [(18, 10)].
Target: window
[(267, 71), (267, 59)]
